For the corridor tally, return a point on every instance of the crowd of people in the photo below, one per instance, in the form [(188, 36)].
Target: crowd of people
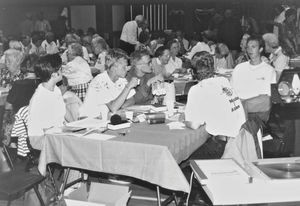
[(64, 77)]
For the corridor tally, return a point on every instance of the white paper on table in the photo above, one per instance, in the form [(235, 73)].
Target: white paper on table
[(98, 136), (139, 108), (89, 123), (176, 125)]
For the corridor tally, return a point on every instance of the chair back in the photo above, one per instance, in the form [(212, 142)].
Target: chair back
[(6, 163)]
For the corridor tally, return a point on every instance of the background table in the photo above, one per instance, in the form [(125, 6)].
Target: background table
[(148, 152)]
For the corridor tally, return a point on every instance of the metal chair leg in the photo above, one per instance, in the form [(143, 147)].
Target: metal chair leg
[(64, 182), (158, 196), (175, 199), (52, 181), (39, 195)]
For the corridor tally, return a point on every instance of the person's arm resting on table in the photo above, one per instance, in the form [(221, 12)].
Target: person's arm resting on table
[(116, 104)]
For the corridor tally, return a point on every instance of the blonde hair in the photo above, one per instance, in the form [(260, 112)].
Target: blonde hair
[(14, 44), (13, 55)]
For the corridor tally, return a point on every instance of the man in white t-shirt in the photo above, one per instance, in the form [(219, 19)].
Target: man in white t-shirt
[(212, 102), (252, 80), (108, 91)]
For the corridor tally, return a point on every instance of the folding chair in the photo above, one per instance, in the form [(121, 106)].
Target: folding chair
[(16, 182)]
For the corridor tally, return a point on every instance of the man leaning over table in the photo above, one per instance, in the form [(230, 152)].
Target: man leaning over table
[(109, 90), (252, 80), (141, 68)]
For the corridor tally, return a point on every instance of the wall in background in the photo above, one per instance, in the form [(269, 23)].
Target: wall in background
[(83, 16), (12, 16)]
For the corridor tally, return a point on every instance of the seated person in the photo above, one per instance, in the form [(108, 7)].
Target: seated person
[(162, 56), (99, 47), (183, 43), (223, 58), (243, 56), (157, 40), (87, 43), (252, 80), (77, 71), (46, 107), (36, 45), (10, 71), (141, 69), (22, 90), (49, 44), (277, 58), (109, 90), (212, 103), (69, 39), (175, 63), (196, 46)]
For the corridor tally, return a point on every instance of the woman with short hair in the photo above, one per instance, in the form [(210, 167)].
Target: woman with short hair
[(47, 107), (77, 71)]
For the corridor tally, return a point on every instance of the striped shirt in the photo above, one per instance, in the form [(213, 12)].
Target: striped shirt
[(20, 130)]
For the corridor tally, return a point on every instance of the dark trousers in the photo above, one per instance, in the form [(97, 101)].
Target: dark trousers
[(129, 48)]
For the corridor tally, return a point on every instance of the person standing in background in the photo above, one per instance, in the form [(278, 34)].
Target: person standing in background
[(130, 33)]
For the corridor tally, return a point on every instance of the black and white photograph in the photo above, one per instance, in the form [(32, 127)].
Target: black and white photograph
[(149, 102)]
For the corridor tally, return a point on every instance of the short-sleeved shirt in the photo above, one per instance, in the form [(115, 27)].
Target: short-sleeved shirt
[(214, 103), (279, 61), (77, 71), (101, 91), (46, 109), (143, 93), (173, 64), (250, 81), (50, 48)]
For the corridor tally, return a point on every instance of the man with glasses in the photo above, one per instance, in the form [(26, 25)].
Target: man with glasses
[(141, 68)]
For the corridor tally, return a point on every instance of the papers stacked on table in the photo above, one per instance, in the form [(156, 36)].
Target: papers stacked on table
[(223, 171), (89, 123)]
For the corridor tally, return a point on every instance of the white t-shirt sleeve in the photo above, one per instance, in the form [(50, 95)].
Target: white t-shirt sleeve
[(194, 110), (96, 99)]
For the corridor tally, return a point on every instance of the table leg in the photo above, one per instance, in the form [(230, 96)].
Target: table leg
[(158, 196), (63, 186), (53, 181)]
